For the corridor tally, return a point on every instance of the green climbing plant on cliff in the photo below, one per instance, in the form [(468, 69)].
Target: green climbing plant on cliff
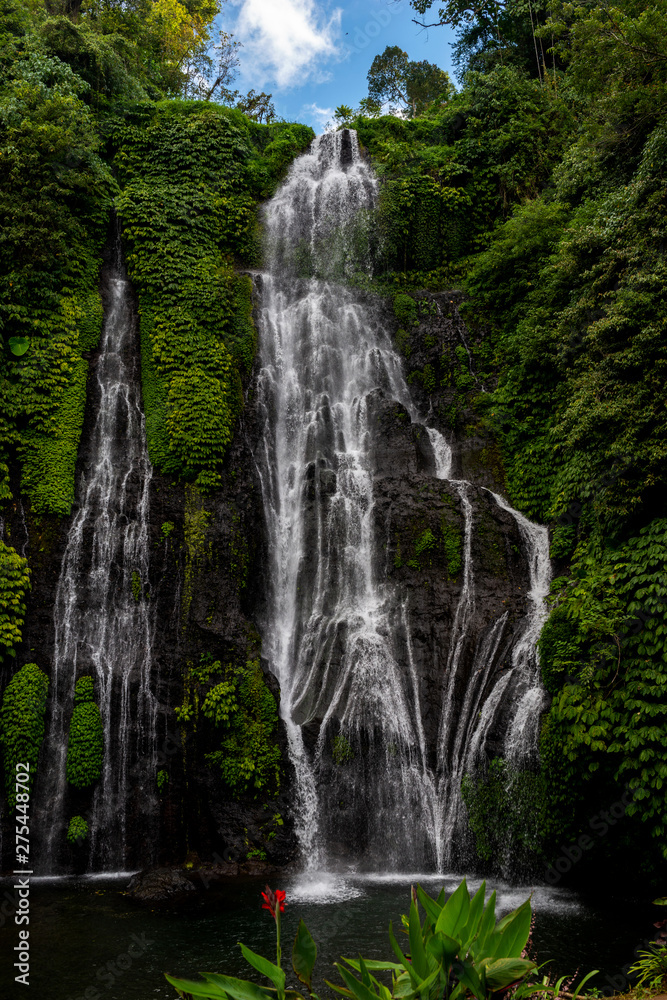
[(14, 584), (22, 724), (85, 747), (246, 711), (55, 198), (236, 702), (191, 174)]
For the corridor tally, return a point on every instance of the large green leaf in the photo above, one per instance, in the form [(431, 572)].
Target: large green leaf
[(486, 926), (454, 912), (200, 989), (403, 987), (238, 989), (502, 972), (513, 931), (444, 949), (358, 989), (268, 969), (400, 956), (467, 975), (374, 966), (417, 952), (18, 345), (424, 986), (472, 926), (431, 907), (304, 953)]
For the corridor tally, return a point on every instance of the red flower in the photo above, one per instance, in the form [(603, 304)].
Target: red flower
[(272, 900)]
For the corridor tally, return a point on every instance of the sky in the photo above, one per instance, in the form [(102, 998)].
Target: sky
[(313, 55)]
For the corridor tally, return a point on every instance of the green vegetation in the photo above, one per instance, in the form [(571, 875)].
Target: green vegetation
[(55, 199), (506, 813), (452, 172), (14, 584), (458, 950), (77, 831), (85, 748), (569, 289), (78, 93), (235, 700), (22, 725), (248, 758), (162, 781), (191, 174), (341, 751)]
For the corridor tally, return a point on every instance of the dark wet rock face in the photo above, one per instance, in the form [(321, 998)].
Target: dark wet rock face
[(158, 885)]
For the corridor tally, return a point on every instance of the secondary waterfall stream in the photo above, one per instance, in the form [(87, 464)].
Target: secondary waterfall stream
[(103, 625), (336, 632)]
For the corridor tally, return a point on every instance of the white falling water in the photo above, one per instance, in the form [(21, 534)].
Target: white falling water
[(331, 627), (102, 618), (522, 734)]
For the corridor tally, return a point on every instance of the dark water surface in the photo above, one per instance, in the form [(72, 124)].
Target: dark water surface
[(86, 935)]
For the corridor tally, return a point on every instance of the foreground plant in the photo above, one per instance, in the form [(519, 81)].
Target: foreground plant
[(459, 949)]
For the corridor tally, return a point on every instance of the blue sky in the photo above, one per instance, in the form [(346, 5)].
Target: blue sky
[(313, 55)]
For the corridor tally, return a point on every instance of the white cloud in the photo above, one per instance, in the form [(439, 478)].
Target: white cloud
[(318, 117), (286, 42)]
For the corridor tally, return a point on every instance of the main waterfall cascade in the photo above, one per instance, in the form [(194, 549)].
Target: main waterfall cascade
[(102, 617), (337, 633)]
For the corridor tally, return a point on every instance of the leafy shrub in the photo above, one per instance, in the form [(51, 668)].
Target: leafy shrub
[(77, 831), (14, 583), (341, 751), (506, 812), (22, 724), (249, 757), (85, 748)]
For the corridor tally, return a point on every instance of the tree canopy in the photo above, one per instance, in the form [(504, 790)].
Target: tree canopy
[(407, 86)]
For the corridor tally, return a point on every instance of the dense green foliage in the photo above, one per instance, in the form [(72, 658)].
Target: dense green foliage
[(66, 84), (22, 724), (190, 177), (14, 584), (450, 174), (249, 757), (85, 747), (55, 198), (77, 831), (236, 702)]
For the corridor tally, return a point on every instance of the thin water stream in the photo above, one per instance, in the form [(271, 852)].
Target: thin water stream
[(103, 625)]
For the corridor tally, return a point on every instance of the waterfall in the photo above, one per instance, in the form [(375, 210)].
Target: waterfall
[(336, 631), (102, 617)]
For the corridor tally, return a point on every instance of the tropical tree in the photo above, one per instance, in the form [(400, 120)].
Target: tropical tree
[(408, 87)]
